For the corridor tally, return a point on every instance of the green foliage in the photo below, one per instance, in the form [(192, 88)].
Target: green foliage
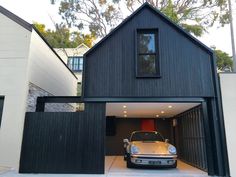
[(223, 60), (196, 16), (63, 38), (170, 12), (79, 89), (100, 16), (197, 30)]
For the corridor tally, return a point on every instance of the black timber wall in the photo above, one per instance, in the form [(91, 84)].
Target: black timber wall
[(186, 68), (64, 142), (124, 128), (191, 138)]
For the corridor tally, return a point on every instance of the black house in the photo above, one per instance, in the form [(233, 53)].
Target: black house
[(149, 59)]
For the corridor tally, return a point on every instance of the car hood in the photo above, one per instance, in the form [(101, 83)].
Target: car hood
[(152, 147)]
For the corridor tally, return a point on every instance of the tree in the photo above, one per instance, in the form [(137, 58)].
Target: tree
[(63, 38), (195, 16), (100, 16), (223, 60)]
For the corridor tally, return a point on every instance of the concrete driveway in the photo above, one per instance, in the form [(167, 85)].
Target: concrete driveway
[(116, 167)]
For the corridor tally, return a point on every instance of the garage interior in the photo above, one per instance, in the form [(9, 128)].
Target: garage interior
[(181, 123)]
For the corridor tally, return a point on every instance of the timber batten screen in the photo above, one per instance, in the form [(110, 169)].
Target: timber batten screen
[(64, 142), (191, 138)]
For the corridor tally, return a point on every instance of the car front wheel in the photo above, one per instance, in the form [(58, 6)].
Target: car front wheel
[(175, 164), (129, 164)]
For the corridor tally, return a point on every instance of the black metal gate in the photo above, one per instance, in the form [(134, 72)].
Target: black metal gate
[(64, 142)]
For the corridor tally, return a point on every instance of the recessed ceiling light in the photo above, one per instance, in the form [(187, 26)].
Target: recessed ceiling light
[(162, 112), (157, 115), (170, 106), (125, 115), (125, 112), (124, 106)]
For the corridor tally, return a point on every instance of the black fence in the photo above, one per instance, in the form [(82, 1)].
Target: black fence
[(191, 139), (64, 142)]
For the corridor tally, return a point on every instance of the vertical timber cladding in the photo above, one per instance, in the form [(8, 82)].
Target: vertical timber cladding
[(191, 140), (56, 142)]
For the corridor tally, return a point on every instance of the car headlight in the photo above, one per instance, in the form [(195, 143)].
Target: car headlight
[(172, 149), (134, 149)]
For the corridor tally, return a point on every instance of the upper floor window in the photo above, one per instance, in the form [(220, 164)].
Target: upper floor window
[(147, 53), (75, 63)]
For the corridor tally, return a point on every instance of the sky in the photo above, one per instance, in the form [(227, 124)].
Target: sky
[(42, 11)]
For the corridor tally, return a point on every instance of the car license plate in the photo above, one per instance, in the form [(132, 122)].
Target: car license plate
[(154, 162)]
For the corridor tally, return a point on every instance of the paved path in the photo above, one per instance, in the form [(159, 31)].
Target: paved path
[(116, 167)]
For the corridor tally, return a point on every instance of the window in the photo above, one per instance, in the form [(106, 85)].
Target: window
[(75, 63), (147, 53)]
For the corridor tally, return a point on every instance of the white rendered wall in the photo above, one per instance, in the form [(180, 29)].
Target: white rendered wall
[(228, 91), (14, 49), (47, 71)]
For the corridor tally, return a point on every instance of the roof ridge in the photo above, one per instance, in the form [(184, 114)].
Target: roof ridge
[(82, 44)]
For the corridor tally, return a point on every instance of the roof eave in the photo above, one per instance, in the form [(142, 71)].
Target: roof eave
[(16, 19)]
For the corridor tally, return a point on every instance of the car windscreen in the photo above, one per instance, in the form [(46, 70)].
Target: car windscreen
[(146, 136)]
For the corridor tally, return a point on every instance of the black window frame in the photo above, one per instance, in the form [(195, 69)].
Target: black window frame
[(154, 31), (73, 61)]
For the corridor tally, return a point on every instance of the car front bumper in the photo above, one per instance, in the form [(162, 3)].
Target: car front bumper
[(152, 160)]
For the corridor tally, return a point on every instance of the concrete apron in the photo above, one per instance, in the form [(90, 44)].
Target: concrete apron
[(116, 167)]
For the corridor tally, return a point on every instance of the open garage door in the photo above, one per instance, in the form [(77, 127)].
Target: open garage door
[(180, 123)]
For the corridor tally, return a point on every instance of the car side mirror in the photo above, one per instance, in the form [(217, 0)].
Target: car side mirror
[(126, 141), (166, 140)]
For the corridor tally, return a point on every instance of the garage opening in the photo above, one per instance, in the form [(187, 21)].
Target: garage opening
[(180, 124)]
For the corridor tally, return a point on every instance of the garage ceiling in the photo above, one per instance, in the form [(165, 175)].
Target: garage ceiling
[(147, 110)]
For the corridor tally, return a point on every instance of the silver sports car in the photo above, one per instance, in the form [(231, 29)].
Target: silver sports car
[(148, 148)]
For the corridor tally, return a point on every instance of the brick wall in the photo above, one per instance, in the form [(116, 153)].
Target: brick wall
[(35, 91)]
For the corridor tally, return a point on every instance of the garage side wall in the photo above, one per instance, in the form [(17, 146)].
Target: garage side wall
[(191, 138)]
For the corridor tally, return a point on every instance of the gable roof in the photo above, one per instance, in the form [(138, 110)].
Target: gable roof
[(165, 18), (82, 45), (16, 19), (31, 27)]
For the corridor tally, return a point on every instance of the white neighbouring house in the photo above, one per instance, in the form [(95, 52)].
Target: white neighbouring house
[(228, 93), (73, 58), (29, 68)]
